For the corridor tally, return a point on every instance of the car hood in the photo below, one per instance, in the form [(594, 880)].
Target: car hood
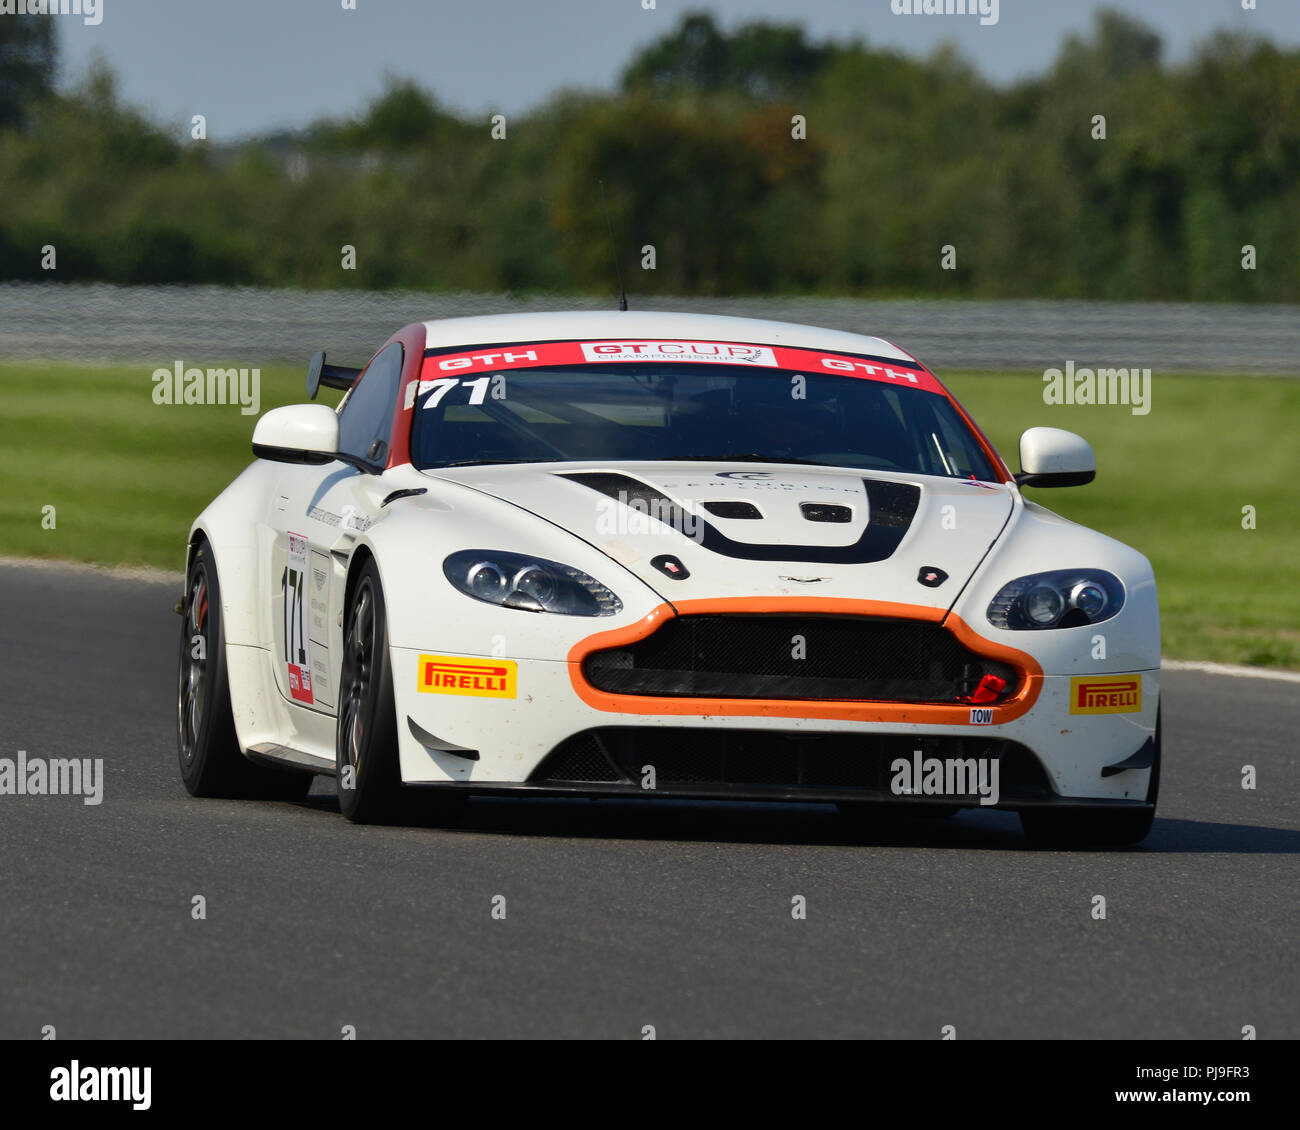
[(762, 529)]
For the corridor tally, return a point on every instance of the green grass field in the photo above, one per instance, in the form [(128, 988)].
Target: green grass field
[(1172, 484), (127, 476)]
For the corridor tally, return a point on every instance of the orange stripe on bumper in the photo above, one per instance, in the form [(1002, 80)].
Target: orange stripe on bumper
[(932, 714)]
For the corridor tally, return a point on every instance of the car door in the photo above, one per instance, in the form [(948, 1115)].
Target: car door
[(317, 514)]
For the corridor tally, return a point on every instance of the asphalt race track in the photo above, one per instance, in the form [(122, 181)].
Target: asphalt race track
[(618, 914)]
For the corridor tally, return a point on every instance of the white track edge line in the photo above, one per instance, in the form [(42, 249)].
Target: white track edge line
[(152, 574), (148, 573), (1230, 669)]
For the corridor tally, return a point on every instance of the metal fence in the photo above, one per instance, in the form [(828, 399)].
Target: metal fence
[(225, 324)]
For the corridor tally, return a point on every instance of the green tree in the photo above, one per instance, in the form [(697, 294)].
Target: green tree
[(28, 59), (760, 60)]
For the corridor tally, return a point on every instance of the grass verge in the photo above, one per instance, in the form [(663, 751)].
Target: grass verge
[(126, 477)]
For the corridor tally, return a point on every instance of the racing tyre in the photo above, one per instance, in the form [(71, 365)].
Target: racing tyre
[(1099, 827), (210, 759), (369, 779)]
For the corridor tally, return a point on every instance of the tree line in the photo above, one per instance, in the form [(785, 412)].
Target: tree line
[(746, 162)]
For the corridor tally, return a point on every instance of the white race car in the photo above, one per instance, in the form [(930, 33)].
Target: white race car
[(664, 555)]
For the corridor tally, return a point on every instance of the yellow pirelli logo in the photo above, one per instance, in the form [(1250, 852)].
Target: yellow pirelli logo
[(1106, 694), (484, 678)]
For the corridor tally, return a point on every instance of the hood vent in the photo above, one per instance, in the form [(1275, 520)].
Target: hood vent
[(733, 510), (892, 506), (825, 512)]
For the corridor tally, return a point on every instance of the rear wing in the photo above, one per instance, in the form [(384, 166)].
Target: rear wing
[(331, 376)]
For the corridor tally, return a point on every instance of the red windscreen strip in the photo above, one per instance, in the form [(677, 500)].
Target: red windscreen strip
[(665, 351)]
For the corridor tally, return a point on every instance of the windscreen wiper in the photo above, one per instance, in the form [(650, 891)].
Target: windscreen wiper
[(744, 457), (739, 457), (486, 462)]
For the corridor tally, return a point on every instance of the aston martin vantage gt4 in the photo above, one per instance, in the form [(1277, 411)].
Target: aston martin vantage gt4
[(664, 556)]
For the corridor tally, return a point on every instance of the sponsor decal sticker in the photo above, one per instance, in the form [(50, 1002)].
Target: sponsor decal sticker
[(498, 360), (843, 365), (718, 351), (469, 363), (318, 631), (482, 678), (297, 645), (1106, 694)]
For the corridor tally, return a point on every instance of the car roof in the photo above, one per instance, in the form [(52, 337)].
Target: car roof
[(583, 325)]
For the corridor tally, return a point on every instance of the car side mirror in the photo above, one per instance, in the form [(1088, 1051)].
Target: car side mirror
[(1051, 457), (298, 433)]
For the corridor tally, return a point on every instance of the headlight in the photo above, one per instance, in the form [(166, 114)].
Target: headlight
[(486, 581), (533, 584), (1064, 598), (1043, 605)]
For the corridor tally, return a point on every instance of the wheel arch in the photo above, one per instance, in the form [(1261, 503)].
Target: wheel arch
[(230, 526), (198, 535), (360, 555)]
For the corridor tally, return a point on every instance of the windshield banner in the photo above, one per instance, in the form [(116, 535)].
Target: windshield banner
[(499, 358)]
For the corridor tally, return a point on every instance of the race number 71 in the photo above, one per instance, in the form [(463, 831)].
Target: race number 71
[(439, 388)]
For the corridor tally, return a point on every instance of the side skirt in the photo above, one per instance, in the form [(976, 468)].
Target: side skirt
[(283, 756)]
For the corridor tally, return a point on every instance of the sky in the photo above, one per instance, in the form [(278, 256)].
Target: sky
[(255, 66)]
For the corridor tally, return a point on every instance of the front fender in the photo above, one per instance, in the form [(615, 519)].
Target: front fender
[(233, 525), (426, 612), (1037, 540)]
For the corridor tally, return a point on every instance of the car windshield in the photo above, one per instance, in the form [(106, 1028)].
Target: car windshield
[(630, 411)]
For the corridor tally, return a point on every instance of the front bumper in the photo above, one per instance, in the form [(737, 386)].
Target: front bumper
[(488, 741)]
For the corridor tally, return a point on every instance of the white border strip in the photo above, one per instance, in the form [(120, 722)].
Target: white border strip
[(1230, 669), (148, 573)]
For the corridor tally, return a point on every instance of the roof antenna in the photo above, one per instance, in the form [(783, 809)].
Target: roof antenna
[(622, 294)]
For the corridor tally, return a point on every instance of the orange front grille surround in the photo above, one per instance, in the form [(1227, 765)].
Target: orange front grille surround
[(926, 714)]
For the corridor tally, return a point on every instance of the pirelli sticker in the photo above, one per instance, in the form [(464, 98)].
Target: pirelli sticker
[(1106, 694), (482, 678)]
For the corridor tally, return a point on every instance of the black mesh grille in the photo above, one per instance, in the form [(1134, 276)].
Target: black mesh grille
[(797, 657), (581, 758), (730, 761)]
